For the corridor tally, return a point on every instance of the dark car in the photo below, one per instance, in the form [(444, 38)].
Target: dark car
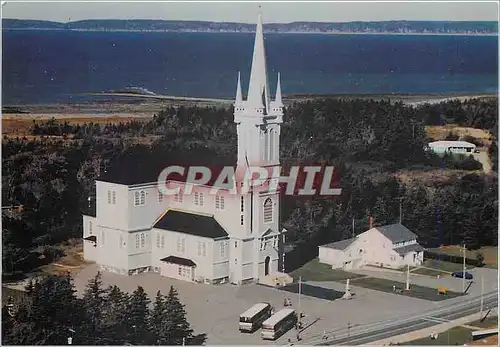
[(461, 274)]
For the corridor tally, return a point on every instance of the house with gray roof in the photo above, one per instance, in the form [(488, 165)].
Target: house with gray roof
[(391, 246)]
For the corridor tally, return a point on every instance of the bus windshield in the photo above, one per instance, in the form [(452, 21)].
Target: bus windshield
[(244, 320)]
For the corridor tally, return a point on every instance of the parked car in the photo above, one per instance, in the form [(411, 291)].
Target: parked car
[(461, 274)]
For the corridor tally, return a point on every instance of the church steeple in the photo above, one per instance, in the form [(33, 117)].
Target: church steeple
[(258, 89), (239, 99)]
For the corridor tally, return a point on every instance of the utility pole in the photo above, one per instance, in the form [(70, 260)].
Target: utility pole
[(408, 277), (400, 210), (183, 341), (482, 299), (463, 274), (353, 227), (283, 255), (300, 294)]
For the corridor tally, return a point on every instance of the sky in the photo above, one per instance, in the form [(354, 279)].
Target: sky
[(245, 12)]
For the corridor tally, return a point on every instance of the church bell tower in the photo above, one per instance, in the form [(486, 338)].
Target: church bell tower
[(258, 120)]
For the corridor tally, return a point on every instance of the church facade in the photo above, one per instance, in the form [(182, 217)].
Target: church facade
[(201, 236)]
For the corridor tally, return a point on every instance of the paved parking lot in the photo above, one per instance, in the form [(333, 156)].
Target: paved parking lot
[(215, 310)]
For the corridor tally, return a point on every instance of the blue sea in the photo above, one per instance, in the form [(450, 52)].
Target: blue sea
[(42, 67)]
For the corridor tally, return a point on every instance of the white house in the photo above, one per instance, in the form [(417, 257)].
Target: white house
[(452, 147), (391, 246), (199, 236)]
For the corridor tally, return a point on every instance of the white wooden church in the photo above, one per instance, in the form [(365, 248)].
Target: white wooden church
[(199, 236)]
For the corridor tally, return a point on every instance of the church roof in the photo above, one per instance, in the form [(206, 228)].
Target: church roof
[(191, 223), (146, 168)]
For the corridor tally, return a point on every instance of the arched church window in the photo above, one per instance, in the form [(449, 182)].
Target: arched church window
[(136, 199), (143, 197), (242, 203), (143, 240), (268, 211)]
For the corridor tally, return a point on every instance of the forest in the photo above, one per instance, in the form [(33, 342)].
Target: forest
[(375, 146), (51, 314), (485, 27)]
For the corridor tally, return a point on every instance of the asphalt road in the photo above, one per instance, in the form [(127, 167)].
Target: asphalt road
[(358, 335)]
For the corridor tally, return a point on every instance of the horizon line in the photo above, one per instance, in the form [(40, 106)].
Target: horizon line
[(245, 23)]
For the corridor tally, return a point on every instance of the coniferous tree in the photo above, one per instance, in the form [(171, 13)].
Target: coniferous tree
[(176, 325), (138, 317), (157, 319), (115, 316), (93, 303), (47, 313)]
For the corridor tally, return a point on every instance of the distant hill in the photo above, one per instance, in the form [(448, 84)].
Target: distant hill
[(415, 27)]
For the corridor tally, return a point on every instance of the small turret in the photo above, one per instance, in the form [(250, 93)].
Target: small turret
[(239, 99), (277, 100)]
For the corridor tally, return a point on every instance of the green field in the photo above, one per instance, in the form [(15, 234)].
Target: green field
[(490, 321), (315, 271), (453, 336), (418, 292), (433, 267), (490, 254)]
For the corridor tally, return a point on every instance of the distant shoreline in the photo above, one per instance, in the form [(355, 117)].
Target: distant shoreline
[(250, 32), (409, 99)]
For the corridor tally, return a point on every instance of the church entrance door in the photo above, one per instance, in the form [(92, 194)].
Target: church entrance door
[(266, 266)]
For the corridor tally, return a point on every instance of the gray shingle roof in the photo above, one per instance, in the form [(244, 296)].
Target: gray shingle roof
[(410, 248), (397, 233), (341, 245), (191, 223)]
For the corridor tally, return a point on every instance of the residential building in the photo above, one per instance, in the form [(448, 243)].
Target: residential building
[(391, 246), (201, 236)]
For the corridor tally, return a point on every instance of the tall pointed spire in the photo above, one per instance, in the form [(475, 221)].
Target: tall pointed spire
[(239, 98), (258, 89), (277, 99)]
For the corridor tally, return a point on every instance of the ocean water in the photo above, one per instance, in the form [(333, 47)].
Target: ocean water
[(41, 67)]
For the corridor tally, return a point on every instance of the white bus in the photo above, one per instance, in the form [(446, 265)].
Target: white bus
[(279, 323), (252, 318)]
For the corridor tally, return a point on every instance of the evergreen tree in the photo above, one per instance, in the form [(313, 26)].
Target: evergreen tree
[(157, 319), (138, 317), (176, 327), (93, 303), (47, 314), (115, 317)]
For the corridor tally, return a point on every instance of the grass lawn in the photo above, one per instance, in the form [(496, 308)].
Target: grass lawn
[(453, 336), (418, 292), (433, 267), (429, 272), (490, 254), (315, 271), (490, 321)]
